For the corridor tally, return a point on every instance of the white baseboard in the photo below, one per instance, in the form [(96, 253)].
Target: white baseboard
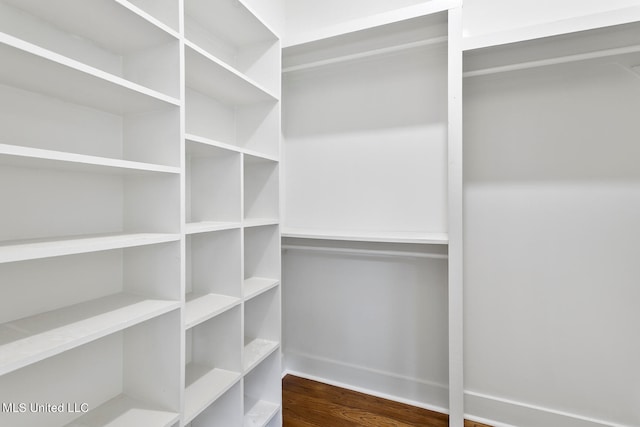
[(386, 385), (488, 409)]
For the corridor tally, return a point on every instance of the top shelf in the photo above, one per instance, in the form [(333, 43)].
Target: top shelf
[(364, 236), (620, 41), (402, 31), (382, 21)]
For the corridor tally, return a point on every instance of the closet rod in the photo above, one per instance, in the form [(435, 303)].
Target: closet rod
[(553, 61), (367, 252), (366, 54)]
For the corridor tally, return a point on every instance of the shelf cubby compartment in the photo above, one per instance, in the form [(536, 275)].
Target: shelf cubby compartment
[(226, 411), (222, 106), (130, 377), (262, 394), (230, 32), (63, 302), (213, 195), (121, 43), (261, 259), (261, 327), (118, 128), (213, 360), (261, 202), (214, 274), (167, 12), (65, 205)]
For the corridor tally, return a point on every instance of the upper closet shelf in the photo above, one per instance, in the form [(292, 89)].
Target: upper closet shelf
[(212, 77), (549, 29), (382, 237), (27, 157), (414, 27), (35, 69), (36, 249), (618, 43), (29, 340), (233, 21), (382, 21)]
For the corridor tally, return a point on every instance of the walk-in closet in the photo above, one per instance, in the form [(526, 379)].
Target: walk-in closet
[(433, 202)]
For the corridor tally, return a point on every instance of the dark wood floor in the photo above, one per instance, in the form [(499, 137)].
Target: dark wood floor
[(312, 404)]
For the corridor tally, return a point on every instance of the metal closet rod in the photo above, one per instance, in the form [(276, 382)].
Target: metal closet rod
[(366, 54), (553, 61), (366, 252)]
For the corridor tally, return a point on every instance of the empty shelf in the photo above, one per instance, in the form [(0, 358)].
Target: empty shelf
[(207, 226), (254, 286), (389, 237), (27, 157), (31, 339), (123, 411), (204, 386), (259, 413), (202, 307), (35, 249), (259, 222), (256, 351)]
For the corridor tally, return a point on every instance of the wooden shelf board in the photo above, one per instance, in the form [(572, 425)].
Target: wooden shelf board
[(259, 222), (124, 411), (136, 30), (202, 307), (22, 250), (212, 77), (27, 157), (256, 351), (254, 286), (259, 412), (208, 226), (260, 156), (386, 237), (31, 339), (32, 68), (233, 20), (204, 386), (211, 142)]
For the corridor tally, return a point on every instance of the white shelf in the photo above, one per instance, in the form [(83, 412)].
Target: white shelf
[(207, 142), (555, 28), (18, 156), (35, 249), (210, 76), (29, 340), (254, 286), (204, 386), (124, 411), (256, 351), (386, 237), (39, 70), (234, 21), (259, 413), (136, 30), (202, 307), (259, 222), (208, 226), (355, 26)]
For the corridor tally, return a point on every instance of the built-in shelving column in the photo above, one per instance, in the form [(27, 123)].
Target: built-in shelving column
[(90, 227), (232, 130)]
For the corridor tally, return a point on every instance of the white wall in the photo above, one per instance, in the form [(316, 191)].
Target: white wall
[(272, 11), (488, 16)]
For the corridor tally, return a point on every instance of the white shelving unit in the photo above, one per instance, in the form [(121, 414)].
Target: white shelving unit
[(135, 136)]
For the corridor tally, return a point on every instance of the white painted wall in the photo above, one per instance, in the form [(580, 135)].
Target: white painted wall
[(489, 16), (272, 11)]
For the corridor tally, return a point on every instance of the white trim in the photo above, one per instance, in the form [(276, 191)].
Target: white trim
[(536, 414)]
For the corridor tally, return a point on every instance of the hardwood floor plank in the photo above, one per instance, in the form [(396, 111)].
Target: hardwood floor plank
[(309, 403)]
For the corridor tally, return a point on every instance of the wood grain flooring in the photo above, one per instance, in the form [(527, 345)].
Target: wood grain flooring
[(309, 403)]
